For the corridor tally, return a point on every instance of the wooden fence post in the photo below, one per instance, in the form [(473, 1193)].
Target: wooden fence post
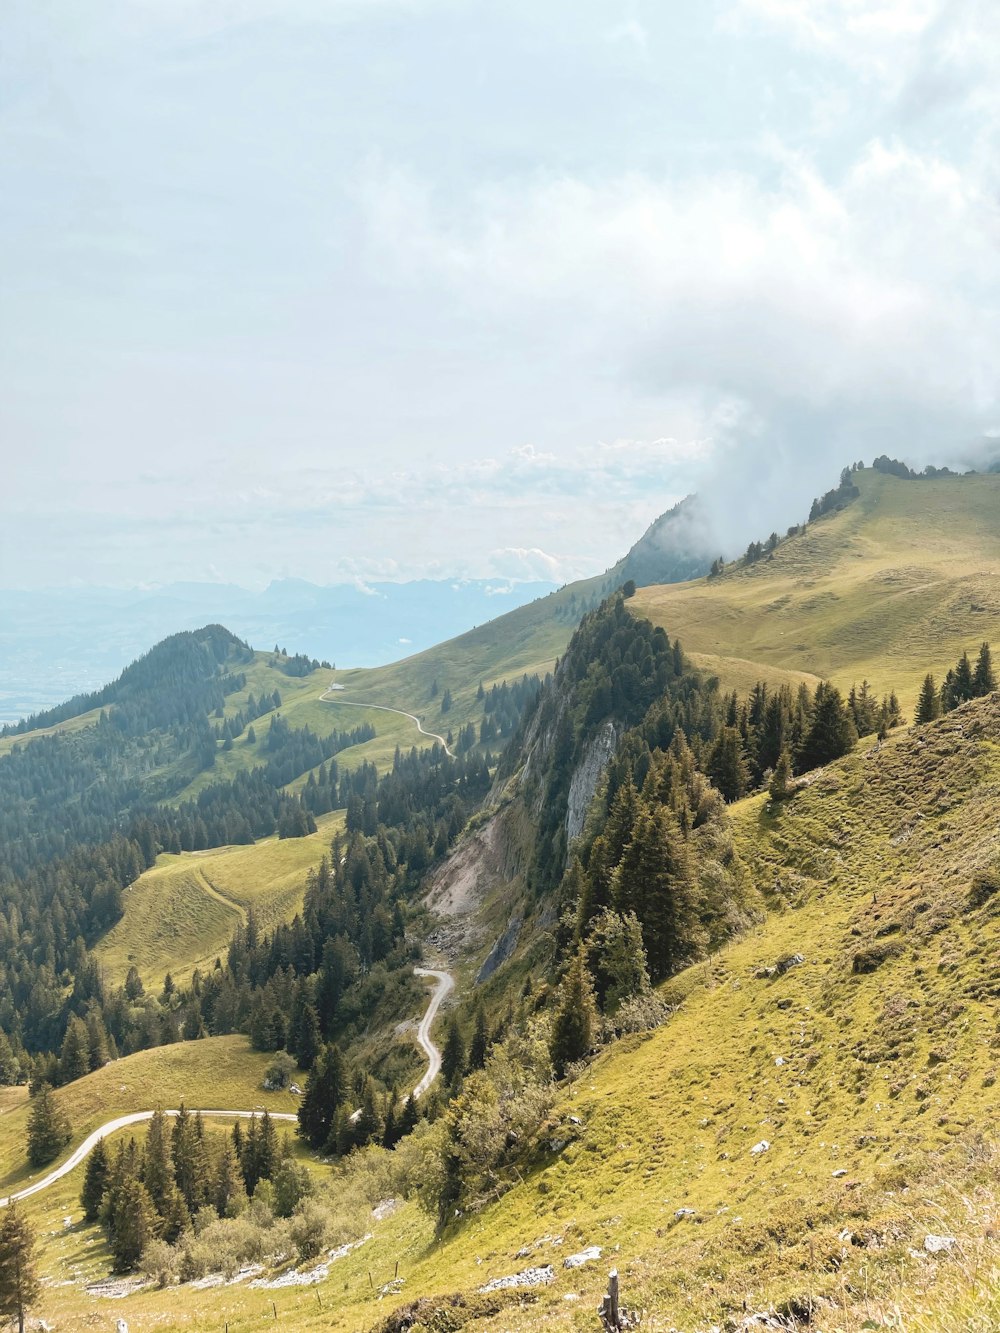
[(609, 1311)]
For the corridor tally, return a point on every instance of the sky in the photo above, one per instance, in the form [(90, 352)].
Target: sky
[(386, 289)]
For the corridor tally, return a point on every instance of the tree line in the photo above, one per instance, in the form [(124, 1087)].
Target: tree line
[(961, 683)]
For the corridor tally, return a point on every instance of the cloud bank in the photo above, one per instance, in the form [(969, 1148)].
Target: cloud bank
[(402, 288)]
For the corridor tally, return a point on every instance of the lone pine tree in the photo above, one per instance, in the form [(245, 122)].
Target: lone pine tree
[(95, 1182), (573, 1025), (655, 880), (19, 1285), (983, 680), (929, 702), (48, 1127)]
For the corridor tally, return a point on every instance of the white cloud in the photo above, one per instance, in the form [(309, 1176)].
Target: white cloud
[(521, 564), (923, 53), (365, 588), (870, 33), (873, 292)]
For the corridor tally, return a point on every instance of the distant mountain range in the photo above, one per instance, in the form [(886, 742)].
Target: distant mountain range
[(58, 642), (55, 643)]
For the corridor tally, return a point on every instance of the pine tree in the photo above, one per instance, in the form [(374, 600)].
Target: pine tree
[(341, 1137), (575, 1017), (19, 1285), (655, 881), (781, 779), (929, 703), (453, 1055), (48, 1127), (480, 1041), (411, 1116), (831, 730), (962, 688), (74, 1058), (250, 1155), (369, 1125), (191, 1168), (307, 1038), (10, 1066), (390, 1126), (727, 765), (95, 1182), (98, 1042), (228, 1194), (326, 1090), (616, 959), (158, 1178), (984, 681), (126, 1165), (133, 1224), (267, 1148)]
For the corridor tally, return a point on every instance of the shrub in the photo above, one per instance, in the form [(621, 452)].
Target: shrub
[(310, 1229), (160, 1262), (641, 1013), (292, 1183), (280, 1072)]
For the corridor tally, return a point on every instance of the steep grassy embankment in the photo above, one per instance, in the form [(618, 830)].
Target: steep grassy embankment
[(868, 1067), (893, 586)]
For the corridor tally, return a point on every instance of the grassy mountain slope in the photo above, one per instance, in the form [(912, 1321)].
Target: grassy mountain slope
[(527, 640), (874, 1057), (868, 1067), (181, 914), (530, 638), (892, 586)]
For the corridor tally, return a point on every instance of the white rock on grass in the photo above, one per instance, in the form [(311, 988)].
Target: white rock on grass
[(939, 1244), (586, 1256), (528, 1277), (306, 1278)]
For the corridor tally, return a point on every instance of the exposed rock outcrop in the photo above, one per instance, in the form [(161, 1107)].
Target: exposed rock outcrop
[(587, 775)]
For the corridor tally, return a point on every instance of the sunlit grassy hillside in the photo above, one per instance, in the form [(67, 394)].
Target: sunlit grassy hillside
[(891, 587), (182, 912), (526, 640)]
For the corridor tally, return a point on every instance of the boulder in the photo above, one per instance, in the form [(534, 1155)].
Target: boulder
[(939, 1244), (586, 1256)]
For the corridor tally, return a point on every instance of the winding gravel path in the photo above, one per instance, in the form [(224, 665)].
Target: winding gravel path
[(445, 984), (121, 1122), (382, 708)]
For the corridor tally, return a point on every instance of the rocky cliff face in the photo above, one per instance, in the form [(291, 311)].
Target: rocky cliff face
[(587, 777)]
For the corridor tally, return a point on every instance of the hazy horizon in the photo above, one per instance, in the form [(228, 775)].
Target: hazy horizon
[(407, 288)]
